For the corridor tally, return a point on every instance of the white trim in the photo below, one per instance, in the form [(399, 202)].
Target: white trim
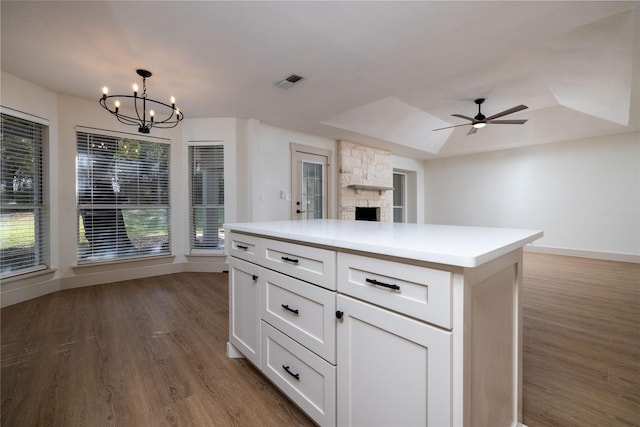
[(27, 292), (25, 116), (116, 134), (205, 142), (21, 292), (206, 252), (113, 261), (26, 273), (609, 256)]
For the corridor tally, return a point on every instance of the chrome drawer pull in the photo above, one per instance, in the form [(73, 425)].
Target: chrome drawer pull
[(284, 258), (296, 376), (286, 307), (244, 248), (384, 285)]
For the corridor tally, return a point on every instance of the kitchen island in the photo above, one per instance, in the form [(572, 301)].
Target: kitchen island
[(382, 324)]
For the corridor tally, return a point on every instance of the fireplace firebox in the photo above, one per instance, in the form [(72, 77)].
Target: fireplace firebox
[(367, 214)]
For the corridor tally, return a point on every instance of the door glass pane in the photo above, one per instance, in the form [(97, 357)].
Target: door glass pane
[(398, 197), (312, 175)]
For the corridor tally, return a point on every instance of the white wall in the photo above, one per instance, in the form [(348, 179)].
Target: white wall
[(270, 159), (584, 194)]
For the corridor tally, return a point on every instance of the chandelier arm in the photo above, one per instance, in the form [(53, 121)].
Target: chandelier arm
[(123, 118)]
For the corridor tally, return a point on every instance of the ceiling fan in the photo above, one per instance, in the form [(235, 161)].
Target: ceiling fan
[(480, 121)]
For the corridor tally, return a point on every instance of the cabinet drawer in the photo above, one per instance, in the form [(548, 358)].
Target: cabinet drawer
[(419, 292), (302, 311), (304, 377), (244, 246), (313, 265)]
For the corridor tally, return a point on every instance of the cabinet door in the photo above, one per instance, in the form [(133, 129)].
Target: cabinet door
[(392, 370), (244, 308)]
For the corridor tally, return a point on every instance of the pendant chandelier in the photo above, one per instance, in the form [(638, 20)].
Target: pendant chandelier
[(159, 114)]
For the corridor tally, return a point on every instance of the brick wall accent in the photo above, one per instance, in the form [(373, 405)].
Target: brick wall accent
[(364, 165)]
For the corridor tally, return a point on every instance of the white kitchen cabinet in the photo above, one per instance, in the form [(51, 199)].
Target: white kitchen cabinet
[(378, 324), (282, 318), (392, 370)]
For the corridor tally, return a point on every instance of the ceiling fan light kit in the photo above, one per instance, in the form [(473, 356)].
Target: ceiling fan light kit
[(169, 115), (480, 120)]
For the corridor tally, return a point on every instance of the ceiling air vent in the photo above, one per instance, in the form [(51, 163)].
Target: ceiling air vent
[(288, 82)]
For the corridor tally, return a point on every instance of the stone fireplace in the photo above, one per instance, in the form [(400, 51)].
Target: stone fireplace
[(366, 181)]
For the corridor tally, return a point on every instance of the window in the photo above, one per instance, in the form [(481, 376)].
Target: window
[(123, 198), (24, 225), (399, 197), (207, 196)]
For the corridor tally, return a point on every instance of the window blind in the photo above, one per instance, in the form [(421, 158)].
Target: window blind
[(123, 198), (24, 220), (207, 196)]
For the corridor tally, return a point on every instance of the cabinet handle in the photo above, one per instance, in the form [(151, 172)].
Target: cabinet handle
[(384, 285), (286, 307), (296, 376), (254, 277), (339, 314), (244, 248), (284, 258)]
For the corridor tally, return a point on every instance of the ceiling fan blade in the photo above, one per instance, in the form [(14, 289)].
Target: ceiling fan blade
[(509, 111), (508, 122), (455, 126), (463, 117), (472, 131)]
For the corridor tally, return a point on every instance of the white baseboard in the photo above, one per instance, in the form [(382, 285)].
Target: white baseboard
[(609, 256), (20, 290), (233, 353), (28, 291)]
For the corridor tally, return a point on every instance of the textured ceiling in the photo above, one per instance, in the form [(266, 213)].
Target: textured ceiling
[(379, 73)]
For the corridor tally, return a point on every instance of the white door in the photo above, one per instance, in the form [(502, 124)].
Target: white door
[(309, 186), (392, 370), (244, 309)]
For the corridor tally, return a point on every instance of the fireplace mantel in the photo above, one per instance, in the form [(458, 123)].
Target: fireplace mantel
[(359, 187)]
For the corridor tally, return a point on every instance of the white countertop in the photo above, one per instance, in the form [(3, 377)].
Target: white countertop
[(444, 244)]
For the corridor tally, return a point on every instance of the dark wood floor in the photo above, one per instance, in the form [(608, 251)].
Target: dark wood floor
[(151, 352), (581, 342), (147, 352)]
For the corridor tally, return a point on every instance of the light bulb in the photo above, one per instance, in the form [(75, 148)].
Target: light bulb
[(177, 111), (105, 90), (117, 104), (135, 87), (151, 113), (479, 125), (173, 101)]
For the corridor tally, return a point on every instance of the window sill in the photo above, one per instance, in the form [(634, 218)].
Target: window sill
[(28, 275), (160, 259), (206, 253)]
